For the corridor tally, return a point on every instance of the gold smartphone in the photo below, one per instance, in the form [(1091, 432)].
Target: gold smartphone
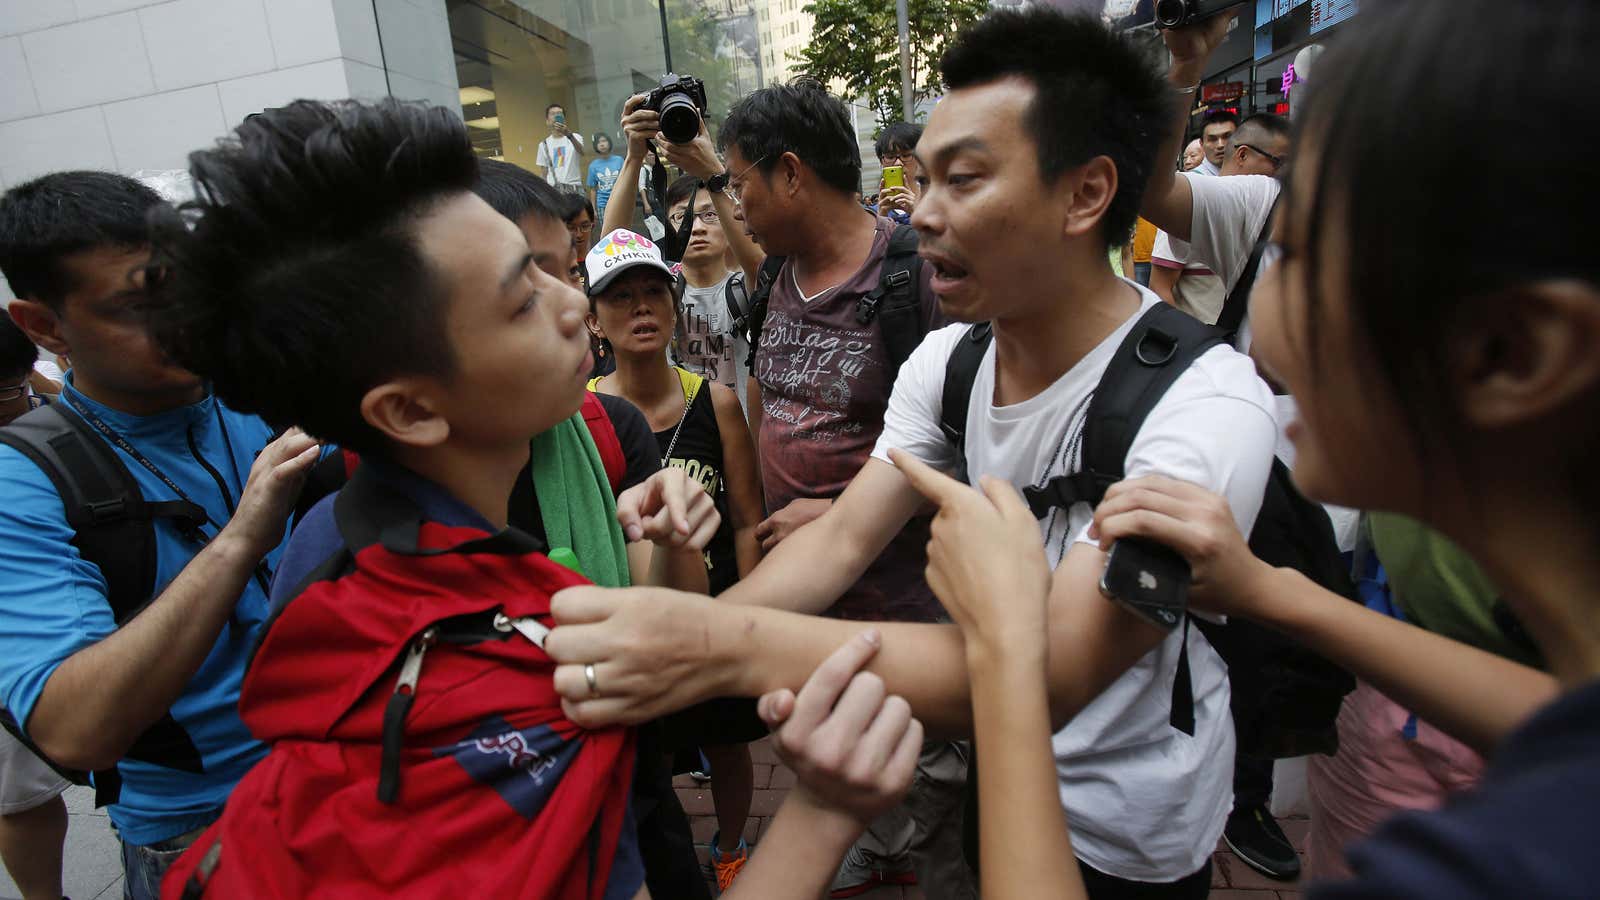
[(894, 176)]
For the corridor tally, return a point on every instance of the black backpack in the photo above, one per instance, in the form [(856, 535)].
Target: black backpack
[(1285, 698), (114, 528), (894, 302)]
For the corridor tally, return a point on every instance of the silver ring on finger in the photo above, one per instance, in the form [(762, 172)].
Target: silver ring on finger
[(588, 676)]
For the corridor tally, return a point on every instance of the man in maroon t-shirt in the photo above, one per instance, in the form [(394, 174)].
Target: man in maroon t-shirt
[(824, 380)]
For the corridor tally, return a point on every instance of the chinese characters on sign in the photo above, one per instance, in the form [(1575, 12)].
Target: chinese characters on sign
[(1325, 13)]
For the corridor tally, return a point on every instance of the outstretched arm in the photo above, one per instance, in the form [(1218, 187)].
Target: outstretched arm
[(1167, 200), (1474, 696), (699, 158), (988, 567), (638, 126), (853, 748)]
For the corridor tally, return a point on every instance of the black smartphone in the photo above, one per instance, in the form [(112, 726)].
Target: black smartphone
[(1148, 579)]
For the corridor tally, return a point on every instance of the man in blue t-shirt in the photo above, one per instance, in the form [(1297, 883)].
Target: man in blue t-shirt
[(602, 175), (74, 248)]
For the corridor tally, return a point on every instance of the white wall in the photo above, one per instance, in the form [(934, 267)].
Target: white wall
[(136, 84)]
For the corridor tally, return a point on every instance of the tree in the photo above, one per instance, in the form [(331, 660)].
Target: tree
[(702, 46), (856, 42)]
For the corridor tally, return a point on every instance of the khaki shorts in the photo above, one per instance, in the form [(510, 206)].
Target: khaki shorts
[(25, 780)]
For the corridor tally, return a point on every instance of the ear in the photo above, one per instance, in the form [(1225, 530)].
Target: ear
[(788, 173), (41, 324), (407, 412), (591, 322), (1529, 353), (1093, 187)]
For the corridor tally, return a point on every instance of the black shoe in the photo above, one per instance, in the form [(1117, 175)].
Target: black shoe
[(1253, 834)]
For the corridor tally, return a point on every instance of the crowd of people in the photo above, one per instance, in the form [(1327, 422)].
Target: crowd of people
[(389, 532)]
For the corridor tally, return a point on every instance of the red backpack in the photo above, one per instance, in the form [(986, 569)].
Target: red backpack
[(418, 748)]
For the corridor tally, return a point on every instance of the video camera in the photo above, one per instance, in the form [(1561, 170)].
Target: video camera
[(681, 101), (1173, 13)]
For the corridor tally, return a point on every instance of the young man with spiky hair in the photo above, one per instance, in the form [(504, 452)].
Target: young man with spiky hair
[(131, 669), (339, 272), (1034, 164)]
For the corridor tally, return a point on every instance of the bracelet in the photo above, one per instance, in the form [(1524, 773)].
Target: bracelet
[(1187, 90)]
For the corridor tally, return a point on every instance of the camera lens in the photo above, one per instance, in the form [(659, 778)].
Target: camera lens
[(1171, 13), (680, 120)]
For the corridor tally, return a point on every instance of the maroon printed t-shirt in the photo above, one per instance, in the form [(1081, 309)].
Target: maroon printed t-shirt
[(825, 382)]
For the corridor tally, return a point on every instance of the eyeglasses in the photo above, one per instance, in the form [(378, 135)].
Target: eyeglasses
[(735, 189), (708, 216), (896, 159), (1277, 161), (11, 392)]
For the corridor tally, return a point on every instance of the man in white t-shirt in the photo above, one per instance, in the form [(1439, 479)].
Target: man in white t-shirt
[(1184, 276), (559, 154), (1016, 217)]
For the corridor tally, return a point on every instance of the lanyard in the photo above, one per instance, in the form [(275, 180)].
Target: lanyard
[(122, 444), (263, 574)]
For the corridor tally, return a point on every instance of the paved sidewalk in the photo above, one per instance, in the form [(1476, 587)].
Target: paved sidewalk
[(93, 868)]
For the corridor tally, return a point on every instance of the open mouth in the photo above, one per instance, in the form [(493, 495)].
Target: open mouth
[(646, 329), (946, 274)]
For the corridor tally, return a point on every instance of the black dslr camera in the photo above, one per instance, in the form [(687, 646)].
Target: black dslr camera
[(681, 101), (1173, 13)]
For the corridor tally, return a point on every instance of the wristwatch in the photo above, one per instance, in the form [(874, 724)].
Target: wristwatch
[(717, 183)]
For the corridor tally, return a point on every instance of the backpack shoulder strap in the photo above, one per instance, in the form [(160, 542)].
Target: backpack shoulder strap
[(894, 301), (757, 317), (1158, 349), (1238, 302), (737, 297), (114, 529), (960, 372), (605, 439), (103, 503)]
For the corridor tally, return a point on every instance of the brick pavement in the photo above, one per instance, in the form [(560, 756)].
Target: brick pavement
[(1231, 878)]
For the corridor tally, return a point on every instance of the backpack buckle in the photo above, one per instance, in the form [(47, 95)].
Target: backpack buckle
[(1162, 347), (107, 510), (897, 279), (867, 308)]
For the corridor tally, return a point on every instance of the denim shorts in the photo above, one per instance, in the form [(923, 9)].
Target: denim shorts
[(143, 867)]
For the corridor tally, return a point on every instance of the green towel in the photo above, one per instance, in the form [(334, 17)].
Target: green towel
[(576, 504)]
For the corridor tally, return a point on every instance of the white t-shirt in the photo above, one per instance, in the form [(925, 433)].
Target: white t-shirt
[(704, 344), (559, 158), (1145, 801), (1198, 291), (1228, 215), (50, 370)]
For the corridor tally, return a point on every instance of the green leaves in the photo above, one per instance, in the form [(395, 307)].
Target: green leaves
[(856, 43)]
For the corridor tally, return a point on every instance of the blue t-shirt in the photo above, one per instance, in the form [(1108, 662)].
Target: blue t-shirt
[(602, 177), (53, 603), (1526, 830)]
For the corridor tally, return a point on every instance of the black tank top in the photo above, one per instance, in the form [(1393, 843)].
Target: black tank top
[(698, 452)]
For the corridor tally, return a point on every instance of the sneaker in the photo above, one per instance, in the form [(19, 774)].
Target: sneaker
[(727, 866), (1253, 834)]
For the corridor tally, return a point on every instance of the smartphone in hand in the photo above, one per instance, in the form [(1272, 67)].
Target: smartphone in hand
[(894, 176), (1149, 580)]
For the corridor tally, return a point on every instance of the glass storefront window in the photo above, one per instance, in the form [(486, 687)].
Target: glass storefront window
[(516, 57)]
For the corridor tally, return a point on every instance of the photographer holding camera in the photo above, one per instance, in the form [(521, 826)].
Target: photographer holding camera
[(557, 161)]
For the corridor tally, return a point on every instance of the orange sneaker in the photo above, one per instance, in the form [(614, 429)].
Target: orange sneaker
[(727, 866)]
